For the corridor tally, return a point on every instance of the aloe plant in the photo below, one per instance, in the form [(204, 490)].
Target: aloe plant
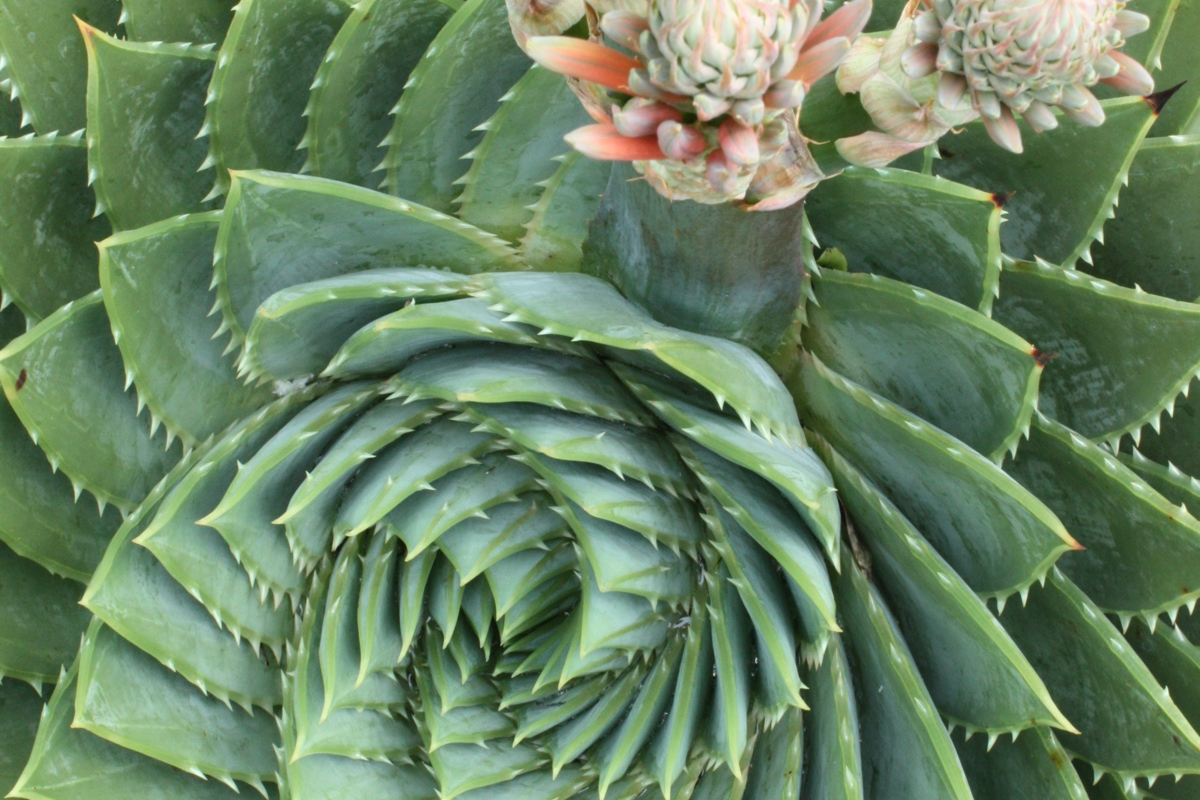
[(364, 439)]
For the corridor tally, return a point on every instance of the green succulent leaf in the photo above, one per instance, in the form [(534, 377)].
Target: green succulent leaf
[(455, 671), (926, 354), (460, 768), (446, 99), (1036, 225), (833, 749), (155, 286), (360, 80), (1174, 661), (1106, 374), (616, 754), (339, 229), (1142, 551), (414, 579), (39, 516), (338, 651), (40, 621), (1031, 765), (182, 727), (1180, 63), (325, 777), (1169, 439), (571, 739), (134, 595), (515, 576), (497, 373), (519, 152), (197, 557), (775, 773), (259, 493), (313, 507), (763, 513), (624, 561), (46, 58), (614, 620), (476, 544), (553, 238), (47, 230), (1169, 480), (70, 763), (260, 88), (726, 732), (10, 109), (938, 482), (479, 607), (661, 518), (350, 733), (459, 522), (792, 466), (958, 259), (407, 467), (371, 325), (666, 758), (625, 450), (200, 21), (20, 713), (1128, 724), (1142, 246), (62, 376), (379, 639), (587, 309), (141, 98), (906, 751), (768, 602), (976, 675)]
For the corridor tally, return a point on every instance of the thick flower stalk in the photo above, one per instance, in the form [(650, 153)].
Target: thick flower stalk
[(949, 62), (704, 96)]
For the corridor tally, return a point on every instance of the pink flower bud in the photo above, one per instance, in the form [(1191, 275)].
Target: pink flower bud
[(679, 142), (641, 117), (739, 143)]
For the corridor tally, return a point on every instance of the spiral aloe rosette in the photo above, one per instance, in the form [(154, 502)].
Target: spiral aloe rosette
[(414, 498)]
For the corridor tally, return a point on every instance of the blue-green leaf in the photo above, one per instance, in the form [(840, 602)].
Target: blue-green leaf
[(47, 229), (145, 101), (447, 96), (155, 282), (63, 376), (359, 81)]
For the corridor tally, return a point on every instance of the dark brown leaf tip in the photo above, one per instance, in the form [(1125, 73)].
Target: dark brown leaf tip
[(1157, 100), (1000, 199), (1041, 358)]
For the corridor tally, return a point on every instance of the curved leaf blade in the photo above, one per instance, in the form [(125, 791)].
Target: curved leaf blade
[(47, 229), (155, 283), (64, 375), (1107, 374), (953, 367), (958, 258), (360, 80), (143, 102), (445, 100)]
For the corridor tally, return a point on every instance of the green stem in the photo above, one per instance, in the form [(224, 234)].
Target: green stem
[(716, 269)]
